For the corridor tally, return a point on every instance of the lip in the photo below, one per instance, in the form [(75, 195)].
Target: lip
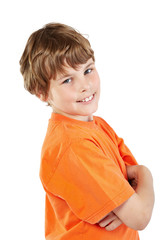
[(83, 102)]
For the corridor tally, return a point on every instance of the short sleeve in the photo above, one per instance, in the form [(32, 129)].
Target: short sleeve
[(90, 183), (125, 152)]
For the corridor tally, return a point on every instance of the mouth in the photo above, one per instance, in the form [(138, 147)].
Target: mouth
[(87, 99)]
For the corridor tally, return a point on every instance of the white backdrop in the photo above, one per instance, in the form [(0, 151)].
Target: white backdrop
[(125, 36)]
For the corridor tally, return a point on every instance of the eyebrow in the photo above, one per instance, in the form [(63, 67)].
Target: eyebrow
[(67, 74), (90, 64)]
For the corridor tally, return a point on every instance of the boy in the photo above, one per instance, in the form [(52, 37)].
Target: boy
[(94, 187)]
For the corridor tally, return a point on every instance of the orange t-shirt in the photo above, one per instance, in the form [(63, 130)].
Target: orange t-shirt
[(84, 175)]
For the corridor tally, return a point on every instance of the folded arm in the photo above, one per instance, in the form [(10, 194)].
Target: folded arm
[(137, 210)]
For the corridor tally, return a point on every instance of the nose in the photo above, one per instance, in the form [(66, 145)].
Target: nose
[(85, 85)]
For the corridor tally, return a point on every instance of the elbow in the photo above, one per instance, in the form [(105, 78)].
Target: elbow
[(139, 221), (141, 226), (143, 221), (144, 216)]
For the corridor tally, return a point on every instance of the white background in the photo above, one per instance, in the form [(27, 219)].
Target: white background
[(125, 36)]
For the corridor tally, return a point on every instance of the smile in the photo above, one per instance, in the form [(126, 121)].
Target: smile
[(87, 99)]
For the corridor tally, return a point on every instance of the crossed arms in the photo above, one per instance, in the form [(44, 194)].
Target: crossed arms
[(137, 210)]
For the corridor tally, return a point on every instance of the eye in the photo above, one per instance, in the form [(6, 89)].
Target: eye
[(89, 70), (67, 81)]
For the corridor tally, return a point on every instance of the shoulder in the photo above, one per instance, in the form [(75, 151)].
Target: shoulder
[(105, 127), (61, 136), (103, 123), (58, 138), (62, 139), (59, 132)]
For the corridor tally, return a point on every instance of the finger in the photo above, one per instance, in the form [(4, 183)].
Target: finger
[(111, 213), (111, 217), (113, 225)]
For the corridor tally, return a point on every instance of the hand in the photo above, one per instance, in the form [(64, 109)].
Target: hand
[(110, 222)]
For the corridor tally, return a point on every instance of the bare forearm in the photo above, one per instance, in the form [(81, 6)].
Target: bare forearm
[(144, 189)]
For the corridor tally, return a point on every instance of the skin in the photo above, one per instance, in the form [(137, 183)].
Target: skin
[(67, 92)]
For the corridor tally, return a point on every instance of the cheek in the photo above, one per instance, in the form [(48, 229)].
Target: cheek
[(67, 96), (97, 81)]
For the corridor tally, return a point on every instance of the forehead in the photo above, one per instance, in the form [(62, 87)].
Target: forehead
[(67, 70)]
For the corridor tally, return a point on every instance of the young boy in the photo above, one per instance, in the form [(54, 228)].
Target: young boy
[(94, 187)]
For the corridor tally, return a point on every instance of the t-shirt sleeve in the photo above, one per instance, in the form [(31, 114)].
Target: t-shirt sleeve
[(91, 184), (125, 152)]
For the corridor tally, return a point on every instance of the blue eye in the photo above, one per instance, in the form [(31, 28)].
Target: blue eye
[(67, 80), (88, 71)]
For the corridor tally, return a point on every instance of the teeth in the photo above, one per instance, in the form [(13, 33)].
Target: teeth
[(87, 99)]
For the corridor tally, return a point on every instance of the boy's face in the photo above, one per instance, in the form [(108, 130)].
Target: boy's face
[(75, 94)]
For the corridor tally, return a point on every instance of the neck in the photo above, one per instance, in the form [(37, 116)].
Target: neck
[(76, 117)]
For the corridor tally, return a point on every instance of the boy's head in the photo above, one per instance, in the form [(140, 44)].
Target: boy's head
[(47, 52)]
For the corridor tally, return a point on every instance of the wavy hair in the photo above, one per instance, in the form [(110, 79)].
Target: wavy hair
[(46, 53)]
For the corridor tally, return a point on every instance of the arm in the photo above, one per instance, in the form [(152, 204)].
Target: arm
[(136, 211)]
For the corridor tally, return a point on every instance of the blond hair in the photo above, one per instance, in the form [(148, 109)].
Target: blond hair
[(46, 53)]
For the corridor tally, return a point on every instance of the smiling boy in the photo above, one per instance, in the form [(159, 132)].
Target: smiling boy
[(85, 166), (76, 93)]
